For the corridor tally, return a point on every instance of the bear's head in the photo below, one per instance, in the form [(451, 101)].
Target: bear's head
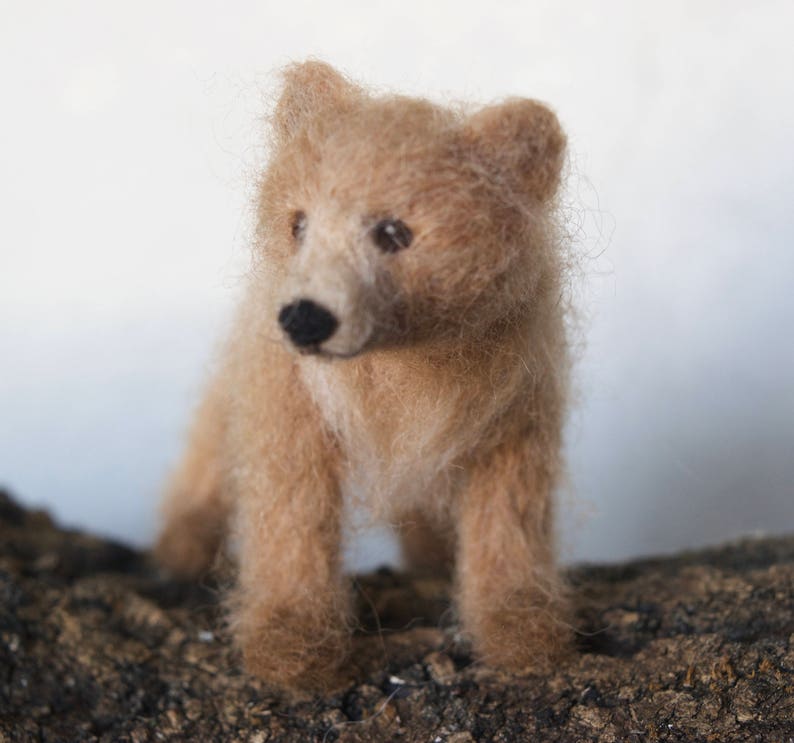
[(386, 220)]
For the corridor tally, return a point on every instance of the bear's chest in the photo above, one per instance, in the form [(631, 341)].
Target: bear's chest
[(400, 439)]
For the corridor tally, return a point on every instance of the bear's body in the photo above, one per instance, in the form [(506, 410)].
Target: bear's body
[(402, 342)]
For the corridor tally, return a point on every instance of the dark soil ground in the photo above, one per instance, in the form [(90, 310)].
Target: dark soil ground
[(96, 645)]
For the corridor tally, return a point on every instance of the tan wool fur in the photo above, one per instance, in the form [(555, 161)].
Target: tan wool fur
[(402, 343)]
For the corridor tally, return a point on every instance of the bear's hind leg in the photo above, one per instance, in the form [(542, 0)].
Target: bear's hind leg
[(196, 507), (427, 544)]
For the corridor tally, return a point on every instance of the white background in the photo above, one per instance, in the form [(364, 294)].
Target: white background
[(128, 138)]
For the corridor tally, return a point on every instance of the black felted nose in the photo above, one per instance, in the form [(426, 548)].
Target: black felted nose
[(306, 322)]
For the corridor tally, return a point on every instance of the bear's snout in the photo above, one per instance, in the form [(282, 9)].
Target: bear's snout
[(307, 323)]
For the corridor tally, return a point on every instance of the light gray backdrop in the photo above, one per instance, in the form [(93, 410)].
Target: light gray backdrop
[(127, 141)]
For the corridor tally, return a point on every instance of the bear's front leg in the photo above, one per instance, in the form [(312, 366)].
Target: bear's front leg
[(511, 599), (291, 609)]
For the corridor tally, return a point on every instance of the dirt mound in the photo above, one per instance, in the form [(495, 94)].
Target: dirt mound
[(96, 645)]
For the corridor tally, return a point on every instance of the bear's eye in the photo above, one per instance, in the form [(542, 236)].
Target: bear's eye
[(391, 235), (298, 225)]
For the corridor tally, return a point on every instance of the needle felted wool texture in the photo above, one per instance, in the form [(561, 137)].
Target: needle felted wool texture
[(401, 341)]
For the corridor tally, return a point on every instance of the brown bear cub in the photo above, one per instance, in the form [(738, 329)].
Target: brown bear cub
[(402, 341)]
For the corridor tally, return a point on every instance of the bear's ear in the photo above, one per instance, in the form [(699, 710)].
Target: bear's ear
[(310, 89), (523, 141)]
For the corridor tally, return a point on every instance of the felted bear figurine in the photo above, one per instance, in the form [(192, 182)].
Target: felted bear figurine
[(402, 341)]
